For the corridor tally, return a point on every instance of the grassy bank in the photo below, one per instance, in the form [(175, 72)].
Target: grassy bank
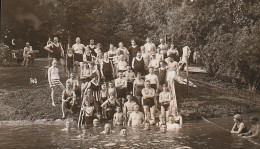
[(22, 100)]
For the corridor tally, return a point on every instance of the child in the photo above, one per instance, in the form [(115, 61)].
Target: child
[(130, 76), (110, 105), (163, 128), (162, 73), (70, 61), (107, 129), (87, 112), (118, 117), (112, 90), (146, 125), (103, 97)]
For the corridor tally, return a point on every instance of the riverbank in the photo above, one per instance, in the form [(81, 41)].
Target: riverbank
[(23, 99)]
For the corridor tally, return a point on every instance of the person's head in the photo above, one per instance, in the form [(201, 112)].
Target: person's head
[(120, 74), (55, 40), (112, 96), (171, 119), (70, 51), (151, 70), (139, 54), (136, 107), (163, 128), (27, 44), (133, 42), (128, 68), (54, 62), (77, 40), (122, 58), (139, 75), (107, 128), (175, 112), (253, 120), (89, 91), (120, 45), (110, 84), (148, 39), (118, 109), (172, 45), (237, 118), (170, 57), (105, 55), (90, 65), (148, 84), (158, 50), (99, 45), (153, 55), (129, 97), (147, 126), (142, 48), (148, 115), (72, 75), (68, 84), (162, 41), (111, 46), (95, 122), (103, 86), (92, 42), (162, 64), (123, 131), (164, 87)]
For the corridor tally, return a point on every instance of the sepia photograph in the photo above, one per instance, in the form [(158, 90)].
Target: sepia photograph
[(139, 74)]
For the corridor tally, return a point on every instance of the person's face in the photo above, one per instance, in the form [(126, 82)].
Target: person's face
[(105, 55), (235, 120), (161, 41), (124, 132), (164, 88), (162, 119), (163, 128), (122, 57), (133, 43), (95, 123), (67, 85), (139, 55), (27, 45), (110, 85), (91, 42), (77, 40), (161, 64), (172, 45), (170, 59), (151, 70), (148, 84), (128, 97), (107, 128), (55, 40), (148, 40), (103, 87), (54, 63), (118, 109), (112, 96), (253, 122), (70, 52), (139, 76), (120, 45), (147, 126), (171, 120), (111, 46), (136, 108)]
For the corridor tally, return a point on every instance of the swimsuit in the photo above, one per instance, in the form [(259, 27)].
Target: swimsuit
[(108, 70), (56, 51), (139, 66)]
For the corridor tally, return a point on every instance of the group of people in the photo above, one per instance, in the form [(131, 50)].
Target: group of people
[(126, 85)]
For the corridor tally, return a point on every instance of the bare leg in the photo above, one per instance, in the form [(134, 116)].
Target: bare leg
[(52, 96), (152, 110), (162, 111), (146, 110), (63, 108)]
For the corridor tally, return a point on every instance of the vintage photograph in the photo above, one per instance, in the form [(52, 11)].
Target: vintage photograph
[(156, 74)]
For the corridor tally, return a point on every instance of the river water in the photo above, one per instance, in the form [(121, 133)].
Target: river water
[(198, 135)]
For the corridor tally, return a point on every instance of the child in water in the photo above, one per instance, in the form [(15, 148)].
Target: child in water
[(118, 117), (107, 129)]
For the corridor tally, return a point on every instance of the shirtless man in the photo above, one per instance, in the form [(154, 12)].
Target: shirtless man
[(154, 63), (54, 79), (136, 118), (68, 98), (128, 106), (152, 78), (149, 99), (130, 77), (254, 131), (118, 117), (78, 50), (121, 85)]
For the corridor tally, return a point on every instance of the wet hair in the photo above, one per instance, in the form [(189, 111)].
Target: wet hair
[(254, 118)]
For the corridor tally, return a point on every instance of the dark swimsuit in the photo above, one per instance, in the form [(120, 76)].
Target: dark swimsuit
[(162, 76), (149, 102), (70, 62), (56, 52), (139, 66), (244, 130), (107, 70), (165, 105)]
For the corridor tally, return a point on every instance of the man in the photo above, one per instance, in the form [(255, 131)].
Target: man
[(254, 131), (185, 56), (68, 98), (128, 106), (130, 77), (152, 78), (121, 85), (56, 51), (164, 48), (123, 132), (154, 63), (149, 99), (133, 49), (149, 46), (78, 50), (136, 118), (54, 79), (95, 122)]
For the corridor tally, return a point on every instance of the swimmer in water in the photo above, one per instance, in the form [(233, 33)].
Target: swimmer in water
[(123, 132), (118, 117), (162, 120), (163, 128), (95, 122), (136, 118), (107, 129), (67, 125), (147, 126)]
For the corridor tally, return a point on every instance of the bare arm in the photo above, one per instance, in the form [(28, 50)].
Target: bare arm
[(49, 76), (130, 120), (104, 104), (48, 48), (133, 61)]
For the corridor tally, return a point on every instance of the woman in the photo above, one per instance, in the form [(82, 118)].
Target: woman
[(110, 105), (68, 98), (164, 100), (173, 51), (239, 126), (103, 97), (138, 64), (111, 52), (86, 73), (137, 88), (54, 79), (26, 54), (106, 68)]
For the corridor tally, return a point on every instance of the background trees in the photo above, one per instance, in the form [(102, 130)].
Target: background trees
[(225, 32)]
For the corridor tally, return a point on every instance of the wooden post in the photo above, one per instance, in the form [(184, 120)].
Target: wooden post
[(187, 74)]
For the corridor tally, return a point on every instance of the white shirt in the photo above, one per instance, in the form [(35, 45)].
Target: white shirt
[(150, 47), (78, 48)]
